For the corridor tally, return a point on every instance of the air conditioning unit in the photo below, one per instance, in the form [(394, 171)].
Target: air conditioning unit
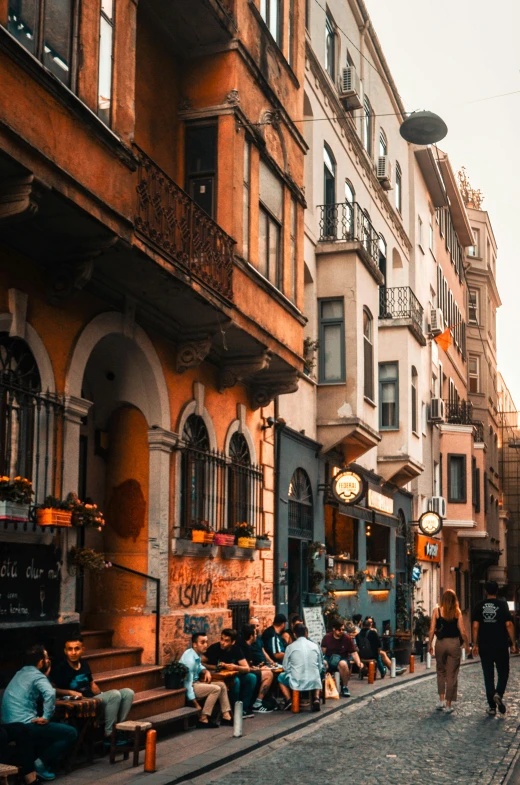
[(437, 504), (350, 91), (384, 171), (436, 321), (437, 410)]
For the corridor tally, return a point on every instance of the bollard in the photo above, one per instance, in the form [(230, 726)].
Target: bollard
[(323, 696), (150, 751), (371, 671), (428, 660), (392, 668), (295, 702), (412, 664), (338, 682), (238, 719), (463, 654)]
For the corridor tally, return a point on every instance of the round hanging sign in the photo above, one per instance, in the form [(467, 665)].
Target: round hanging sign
[(430, 523), (348, 487)]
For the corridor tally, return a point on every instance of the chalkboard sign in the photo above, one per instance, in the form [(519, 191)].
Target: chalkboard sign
[(315, 624), (30, 578)]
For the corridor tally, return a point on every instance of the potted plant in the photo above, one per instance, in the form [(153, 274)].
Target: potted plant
[(315, 594), (224, 537), (54, 512), (15, 498), (263, 542), (85, 513), (201, 532), (245, 535), (87, 559), (174, 675)]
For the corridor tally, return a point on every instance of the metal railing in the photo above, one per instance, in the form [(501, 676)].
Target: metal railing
[(348, 222), (459, 412), (169, 218), (479, 430), (399, 302), (157, 611)]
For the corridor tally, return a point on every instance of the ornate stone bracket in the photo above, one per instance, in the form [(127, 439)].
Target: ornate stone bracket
[(236, 369), (159, 439), (265, 389), (19, 197), (192, 352), (72, 274), (233, 97)]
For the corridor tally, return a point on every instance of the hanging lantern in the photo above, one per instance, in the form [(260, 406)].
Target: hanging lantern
[(423, 128)]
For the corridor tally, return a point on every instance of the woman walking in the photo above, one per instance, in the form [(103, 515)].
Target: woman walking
[(448, 627)]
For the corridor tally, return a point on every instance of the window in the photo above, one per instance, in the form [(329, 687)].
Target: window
[(474, 250), (475, 478), (398, 188), (247, 199), (473, 303), (106, 47), (270, 225), (432, 243), (350, 198), (294, 271), (420, 238), (332, 341), (383, 144), (201, 166), (415, 426), (329, 193), (270, 13), (474, 373), (378, 544), (307, 13), (330, 47), (367, 125), (242, 504), (457, 479), (194, 472), (45, 30), (368, 353), (301, 514), (388, 396), (350, 194)]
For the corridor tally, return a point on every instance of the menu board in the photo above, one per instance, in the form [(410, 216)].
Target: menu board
[(315, 624), (30, 579)]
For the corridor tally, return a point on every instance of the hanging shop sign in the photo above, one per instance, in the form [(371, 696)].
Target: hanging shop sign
[(378, 501), (427, 548), (348, 487), (430, 523)]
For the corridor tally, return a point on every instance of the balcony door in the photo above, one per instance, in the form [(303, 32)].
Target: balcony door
[(201, 166)]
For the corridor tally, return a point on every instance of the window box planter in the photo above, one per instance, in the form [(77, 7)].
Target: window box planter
[(342, 584), (224, 539), (49, 516), (14, 511), (183, 547), (199, 535), (241, 554), (263, 543), (246, 542)]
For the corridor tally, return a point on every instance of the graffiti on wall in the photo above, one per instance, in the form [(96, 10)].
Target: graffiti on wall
[(194, 624), (195, 593)]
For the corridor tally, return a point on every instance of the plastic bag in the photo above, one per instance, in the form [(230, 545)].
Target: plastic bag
[(330, 687)]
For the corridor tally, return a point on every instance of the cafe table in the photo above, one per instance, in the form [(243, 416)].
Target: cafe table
[(84, 715)]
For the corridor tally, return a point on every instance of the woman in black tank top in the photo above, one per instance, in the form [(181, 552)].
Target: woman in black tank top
[(448, 628)]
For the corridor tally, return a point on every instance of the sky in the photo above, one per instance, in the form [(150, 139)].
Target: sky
[(446, 56)]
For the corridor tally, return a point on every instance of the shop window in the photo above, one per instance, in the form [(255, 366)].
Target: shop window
[(270, 226), (332, 342), (44, 28), (301, 513), (201, 166), (378, 543), (341, 539), (106, 60), (457, 479)]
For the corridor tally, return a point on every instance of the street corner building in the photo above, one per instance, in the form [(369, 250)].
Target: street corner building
[(151, 311)]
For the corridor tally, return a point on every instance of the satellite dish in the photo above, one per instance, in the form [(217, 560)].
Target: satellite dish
[(423, 128)]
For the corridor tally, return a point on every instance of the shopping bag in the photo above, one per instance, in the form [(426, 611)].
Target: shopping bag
[(331, 690)]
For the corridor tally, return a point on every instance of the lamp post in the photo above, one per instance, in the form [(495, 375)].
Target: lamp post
[(423, 128)]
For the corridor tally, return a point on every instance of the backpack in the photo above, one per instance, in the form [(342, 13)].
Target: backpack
[(364, 648)]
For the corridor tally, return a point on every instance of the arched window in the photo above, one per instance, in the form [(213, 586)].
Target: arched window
[(350, 198), (350, 194), (300, 506), (196, 470), (330, 47), (398, 187), (383, 143), (329, 193), (240, 497), (415, 404), (368, 354)]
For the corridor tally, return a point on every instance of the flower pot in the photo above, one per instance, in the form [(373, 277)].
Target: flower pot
[(263, 543), (172, 681), (14, 511), (199, 535), (246, 542), (224, 539), (49, 516)]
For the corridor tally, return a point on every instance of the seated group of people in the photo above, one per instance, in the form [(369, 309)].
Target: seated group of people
[(29, 703)]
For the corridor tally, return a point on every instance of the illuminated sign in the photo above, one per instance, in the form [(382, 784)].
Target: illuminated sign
[(430, 523), (378, 501), (348, 487), (427, 548)]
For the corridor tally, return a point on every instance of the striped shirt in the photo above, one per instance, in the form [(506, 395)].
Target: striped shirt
[(303, 663), (273, 643)]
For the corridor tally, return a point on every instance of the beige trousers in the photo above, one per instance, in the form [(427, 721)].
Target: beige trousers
[(447, 655), (213, 692)]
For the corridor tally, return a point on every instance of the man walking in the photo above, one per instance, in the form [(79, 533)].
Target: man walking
[(493, 633)]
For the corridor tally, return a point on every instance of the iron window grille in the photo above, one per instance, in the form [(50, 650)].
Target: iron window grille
[(301, 509), (240, 614)]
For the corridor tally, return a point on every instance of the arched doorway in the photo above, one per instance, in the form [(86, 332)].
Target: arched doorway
[(301, 523)]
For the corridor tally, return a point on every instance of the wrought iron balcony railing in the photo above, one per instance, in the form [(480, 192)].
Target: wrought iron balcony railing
[(459, 412), (399, 302), (348, 222), (479, 430), (181, 230)]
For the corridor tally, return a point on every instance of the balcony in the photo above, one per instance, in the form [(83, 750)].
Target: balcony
[(459, 412), (195, 26), (180, 230), (348, 223), (400, 305)]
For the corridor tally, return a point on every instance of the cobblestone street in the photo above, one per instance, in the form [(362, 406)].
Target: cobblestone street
[(398, 738)]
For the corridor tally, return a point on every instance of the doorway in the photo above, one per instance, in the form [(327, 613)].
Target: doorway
[(298, 574)]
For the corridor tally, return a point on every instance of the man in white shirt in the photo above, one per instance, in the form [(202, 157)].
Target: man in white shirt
[(303, 665), (198, 684)]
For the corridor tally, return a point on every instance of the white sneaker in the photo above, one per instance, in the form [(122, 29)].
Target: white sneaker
[(450, 710), (440, 706)]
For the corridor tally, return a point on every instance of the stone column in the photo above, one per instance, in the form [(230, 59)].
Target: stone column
[(161, 444)]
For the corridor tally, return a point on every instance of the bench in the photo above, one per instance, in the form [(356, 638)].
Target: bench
[(135, 730), (167, 717)]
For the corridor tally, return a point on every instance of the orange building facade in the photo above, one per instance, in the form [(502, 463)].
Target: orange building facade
[(151, 295)]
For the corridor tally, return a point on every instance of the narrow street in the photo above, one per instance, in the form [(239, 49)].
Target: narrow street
[(398, 738)]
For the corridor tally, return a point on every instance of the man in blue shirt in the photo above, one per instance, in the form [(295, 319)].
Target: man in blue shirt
[(198, 684), (272, 638), (51, 740)]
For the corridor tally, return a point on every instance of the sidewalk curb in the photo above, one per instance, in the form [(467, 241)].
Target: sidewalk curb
[(237, 748)]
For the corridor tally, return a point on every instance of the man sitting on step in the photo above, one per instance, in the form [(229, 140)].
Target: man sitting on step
[(199, 685), (73, 677)]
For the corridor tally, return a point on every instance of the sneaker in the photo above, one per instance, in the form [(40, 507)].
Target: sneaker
[(287, 705), (262, 710), (257, 704), (450, 710), (42, 772), (491, 711), (500, 703), (316, 706), (440, 706), (345, 692), (247, 715)]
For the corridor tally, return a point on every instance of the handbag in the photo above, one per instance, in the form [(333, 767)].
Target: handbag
[(334, 660), (439, 626), (331, 690)]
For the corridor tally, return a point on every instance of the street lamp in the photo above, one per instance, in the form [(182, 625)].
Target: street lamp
[(423, 128)]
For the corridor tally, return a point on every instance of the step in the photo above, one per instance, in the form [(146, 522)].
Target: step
[(139, 678), (113, 659), (97, 639), (156, 701)]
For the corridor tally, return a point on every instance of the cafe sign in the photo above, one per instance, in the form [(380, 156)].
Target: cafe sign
[(427, 548), (378, 501), (430, 523), (348, 487)]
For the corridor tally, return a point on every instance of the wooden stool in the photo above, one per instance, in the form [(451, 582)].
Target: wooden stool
[(134, 727), (7, 771)]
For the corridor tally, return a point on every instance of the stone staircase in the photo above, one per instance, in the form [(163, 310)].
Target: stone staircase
[(116, 667)]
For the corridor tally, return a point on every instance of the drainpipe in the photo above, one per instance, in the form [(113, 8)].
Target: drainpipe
[(277, 431)]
